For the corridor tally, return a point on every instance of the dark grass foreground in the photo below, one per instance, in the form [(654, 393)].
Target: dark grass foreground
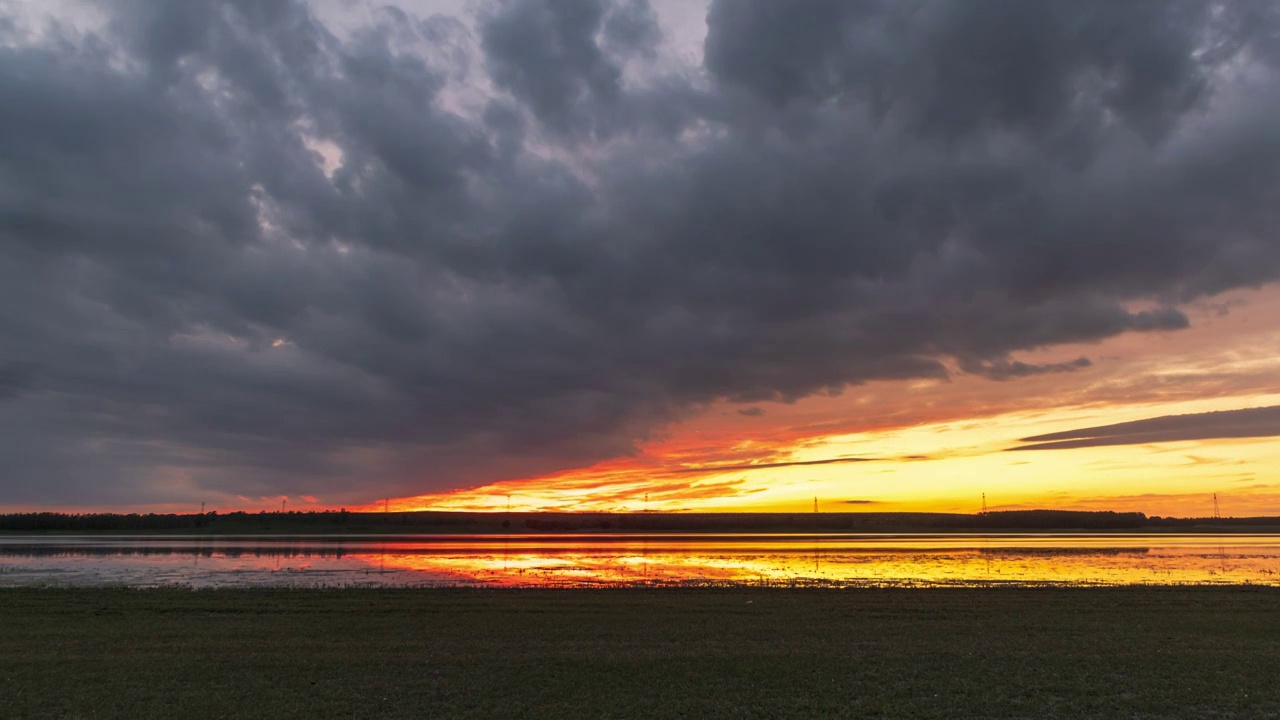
[(947, 653)]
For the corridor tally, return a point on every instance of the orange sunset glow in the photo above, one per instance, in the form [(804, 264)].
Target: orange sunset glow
[(939, 445)]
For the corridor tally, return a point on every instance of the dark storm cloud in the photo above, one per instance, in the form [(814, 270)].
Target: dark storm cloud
[(14, 379), (1251, 423), (245, 252), (564, 58), (1005, 369), (954, 68)]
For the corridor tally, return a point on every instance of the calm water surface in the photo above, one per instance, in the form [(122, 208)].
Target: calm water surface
[(595, 560)]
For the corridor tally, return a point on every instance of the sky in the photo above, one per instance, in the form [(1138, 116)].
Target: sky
[(640, 255)]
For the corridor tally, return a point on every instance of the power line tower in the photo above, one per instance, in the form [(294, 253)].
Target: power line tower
[(1217, 515), (984, 504), (283, 502), (815, 504)]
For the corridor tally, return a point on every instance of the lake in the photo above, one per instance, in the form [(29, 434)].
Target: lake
[(585, 560)]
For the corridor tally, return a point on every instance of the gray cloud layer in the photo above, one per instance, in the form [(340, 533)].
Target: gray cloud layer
[(1250, 423), (242, 252)]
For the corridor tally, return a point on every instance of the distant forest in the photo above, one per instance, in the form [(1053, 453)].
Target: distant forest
[(341, 521)]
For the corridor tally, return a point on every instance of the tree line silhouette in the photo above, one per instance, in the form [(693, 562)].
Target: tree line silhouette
[(433, 521)]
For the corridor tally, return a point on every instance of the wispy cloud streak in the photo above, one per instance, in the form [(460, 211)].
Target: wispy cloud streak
[(1249, 423)]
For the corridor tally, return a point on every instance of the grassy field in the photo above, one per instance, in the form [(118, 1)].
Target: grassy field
[(743, 653)]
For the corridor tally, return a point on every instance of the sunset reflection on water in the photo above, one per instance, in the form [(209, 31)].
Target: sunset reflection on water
[(590, 560)]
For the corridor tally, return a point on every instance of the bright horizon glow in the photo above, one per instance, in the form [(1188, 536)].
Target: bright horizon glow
[(1188, 472)]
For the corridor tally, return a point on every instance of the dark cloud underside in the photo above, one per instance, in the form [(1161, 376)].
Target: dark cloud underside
[(246, 251)]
